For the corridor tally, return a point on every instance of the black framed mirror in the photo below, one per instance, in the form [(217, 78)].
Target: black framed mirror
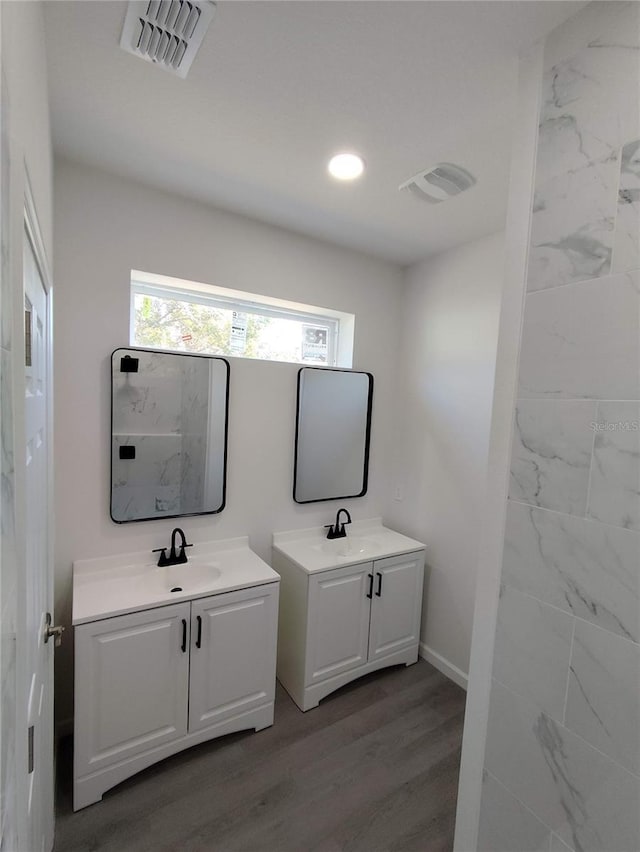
[(333, 432), (169, 425)]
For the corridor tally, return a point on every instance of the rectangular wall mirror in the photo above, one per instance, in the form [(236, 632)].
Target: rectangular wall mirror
[(333, 428), (169, 416)]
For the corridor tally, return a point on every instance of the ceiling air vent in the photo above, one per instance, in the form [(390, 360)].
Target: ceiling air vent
[(166, 32), (439, 182)]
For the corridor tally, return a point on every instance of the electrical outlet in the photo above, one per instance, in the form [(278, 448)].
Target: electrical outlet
[(397, 493)]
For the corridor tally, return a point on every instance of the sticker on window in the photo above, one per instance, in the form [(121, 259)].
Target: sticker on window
[(315, 343), (238, 338)]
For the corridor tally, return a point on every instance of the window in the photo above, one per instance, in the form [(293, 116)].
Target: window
[(168, 313)]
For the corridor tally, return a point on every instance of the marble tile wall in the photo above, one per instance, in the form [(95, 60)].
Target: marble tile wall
[(506, 823), (562, 761)]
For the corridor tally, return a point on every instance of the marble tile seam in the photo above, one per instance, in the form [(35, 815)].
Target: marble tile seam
[(581, 281), (604, 699), (517, 798), (572, 615), (585, 517), (562, 399), (551, 454), (557, 844), (533, 649), (633, 775), (622, 638)]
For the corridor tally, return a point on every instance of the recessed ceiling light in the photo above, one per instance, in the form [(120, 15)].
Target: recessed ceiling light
[(346, 166)]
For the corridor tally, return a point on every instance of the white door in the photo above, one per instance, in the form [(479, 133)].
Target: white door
[(397, 604), (132, 682), (38, 654), (338, 628), (233, 654)]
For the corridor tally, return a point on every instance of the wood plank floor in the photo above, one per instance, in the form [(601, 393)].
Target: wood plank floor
[(373, 769)]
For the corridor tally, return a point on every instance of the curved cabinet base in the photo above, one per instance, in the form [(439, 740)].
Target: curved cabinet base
[(89, 789), (341, 623), (149, 684), (312, 695)]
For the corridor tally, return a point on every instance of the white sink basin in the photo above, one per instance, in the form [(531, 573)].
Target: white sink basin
[(349, 546), (189, 577), (153, 582), (365, 541), (114, 585)]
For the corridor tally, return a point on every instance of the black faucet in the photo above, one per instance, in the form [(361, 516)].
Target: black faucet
[(337, 530), (173, 558)]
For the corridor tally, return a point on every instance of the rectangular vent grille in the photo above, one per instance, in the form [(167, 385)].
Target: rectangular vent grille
[(166, 32)]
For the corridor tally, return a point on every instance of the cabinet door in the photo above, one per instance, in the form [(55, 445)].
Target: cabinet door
[(338, 621), (132, 678), (233, 654), (397, 603)]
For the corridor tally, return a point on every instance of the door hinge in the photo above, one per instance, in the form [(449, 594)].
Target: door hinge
[(30, 751), (50, 631)]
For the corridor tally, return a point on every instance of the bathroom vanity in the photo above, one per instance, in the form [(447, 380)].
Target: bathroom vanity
[(168, 657), (348, 606)]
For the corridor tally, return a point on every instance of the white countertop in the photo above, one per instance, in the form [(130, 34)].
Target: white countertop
[(114, 585), (365, 541)]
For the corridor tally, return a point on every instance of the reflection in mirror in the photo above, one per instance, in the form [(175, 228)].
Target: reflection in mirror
[(168, 434), (333, 428)]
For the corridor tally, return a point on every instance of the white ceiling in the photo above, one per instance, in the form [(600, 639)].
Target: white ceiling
[(279, 86)]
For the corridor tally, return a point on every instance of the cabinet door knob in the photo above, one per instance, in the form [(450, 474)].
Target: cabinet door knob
[(379, 590), (199, 639), (184, 635), (370, 592)]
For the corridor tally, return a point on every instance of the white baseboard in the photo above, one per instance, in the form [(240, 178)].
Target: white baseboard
[(439, 662)]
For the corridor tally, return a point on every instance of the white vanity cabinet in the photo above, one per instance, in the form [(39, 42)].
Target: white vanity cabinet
[(339, 613), (155, 681), (339, 623), (132, 683), (233, 655), (396, 605)]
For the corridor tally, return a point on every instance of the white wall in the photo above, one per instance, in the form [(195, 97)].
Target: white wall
[(105, 226), (26, 137), (24, 64), (448, 332)]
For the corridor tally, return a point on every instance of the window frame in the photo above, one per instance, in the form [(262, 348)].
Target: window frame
[(339, 325)]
